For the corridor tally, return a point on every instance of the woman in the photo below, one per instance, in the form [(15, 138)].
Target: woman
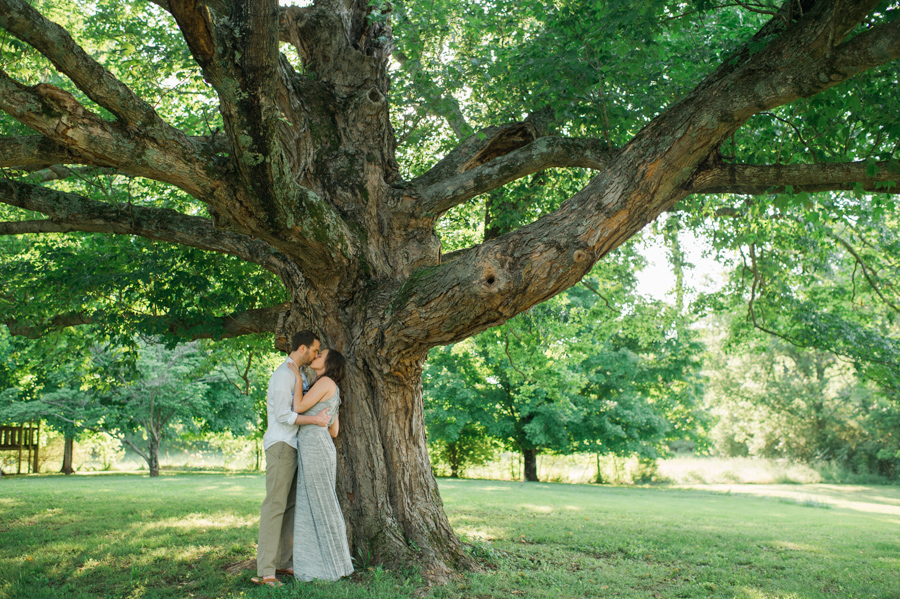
[(320, 535)]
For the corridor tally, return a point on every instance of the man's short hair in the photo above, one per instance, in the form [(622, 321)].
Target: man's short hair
[(299, 338)]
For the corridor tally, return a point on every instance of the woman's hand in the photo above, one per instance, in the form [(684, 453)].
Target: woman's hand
[(295, 369)]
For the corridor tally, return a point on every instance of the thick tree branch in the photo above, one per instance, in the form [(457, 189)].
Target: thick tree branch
[(58, 117), (261, 320), (34, 152), (222, 7), (28, 152), (268, 133), (803, 61), (542, 153), (70, 212), (196, 26), (502, 277), (753, 179), (292, 22), (479, 149), (54, 42)]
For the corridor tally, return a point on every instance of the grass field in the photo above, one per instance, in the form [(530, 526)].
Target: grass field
[(131, 536)]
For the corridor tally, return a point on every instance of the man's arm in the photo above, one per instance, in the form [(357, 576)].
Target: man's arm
[(320, 419), (282, 388)]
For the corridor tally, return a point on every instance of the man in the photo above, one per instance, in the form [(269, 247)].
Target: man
[(274, 552)]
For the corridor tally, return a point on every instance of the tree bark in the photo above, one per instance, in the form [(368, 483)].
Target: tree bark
[(68, 451), (153, 454), (390, 497), (453, 458), (529, 460)]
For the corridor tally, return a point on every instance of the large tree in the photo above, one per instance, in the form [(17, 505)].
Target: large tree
[(303, 179)]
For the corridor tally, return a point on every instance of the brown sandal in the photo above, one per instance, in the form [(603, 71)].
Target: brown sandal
[(267, 582), (285, 571)]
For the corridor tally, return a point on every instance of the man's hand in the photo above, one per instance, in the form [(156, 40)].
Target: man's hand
[(322, 418)]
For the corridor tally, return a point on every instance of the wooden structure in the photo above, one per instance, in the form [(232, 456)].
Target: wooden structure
[(22, 438)]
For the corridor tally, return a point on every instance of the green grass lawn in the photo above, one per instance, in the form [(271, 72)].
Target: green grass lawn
[(175, 536)]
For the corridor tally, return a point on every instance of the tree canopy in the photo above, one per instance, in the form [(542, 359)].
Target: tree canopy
[(312, 160)]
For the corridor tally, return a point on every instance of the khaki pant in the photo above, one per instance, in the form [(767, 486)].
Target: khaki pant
[(276, 519)]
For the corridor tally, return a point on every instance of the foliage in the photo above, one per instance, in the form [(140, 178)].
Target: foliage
[(819, 273), (573, 374), (144, 389), (772, 399)]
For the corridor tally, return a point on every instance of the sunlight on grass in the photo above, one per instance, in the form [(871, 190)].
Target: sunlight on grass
[(478, 533), (757, 594), (789, 546), (201, 522), (854, 498), (543, 509)]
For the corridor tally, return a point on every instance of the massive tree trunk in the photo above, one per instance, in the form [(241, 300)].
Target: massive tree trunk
[(303, 181)]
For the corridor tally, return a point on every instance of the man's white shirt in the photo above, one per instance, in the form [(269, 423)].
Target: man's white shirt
[(280, 407)]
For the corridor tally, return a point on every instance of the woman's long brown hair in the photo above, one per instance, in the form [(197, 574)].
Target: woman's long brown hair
[(334, 365)]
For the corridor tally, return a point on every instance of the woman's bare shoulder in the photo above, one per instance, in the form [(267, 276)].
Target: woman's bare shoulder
[(326, 382)]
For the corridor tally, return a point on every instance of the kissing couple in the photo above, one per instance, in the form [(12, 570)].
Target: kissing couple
[(301, 527)]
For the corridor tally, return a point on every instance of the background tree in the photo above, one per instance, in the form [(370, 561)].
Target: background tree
[(772, 399), (291, 166), (455, 437), (135, 394), (245, 363), (564, 377)]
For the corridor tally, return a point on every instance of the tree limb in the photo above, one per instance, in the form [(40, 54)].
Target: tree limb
[(261, 320), (26, 152), (500, 278), (198, 31), (58, 117), (754, 179), (803, 61), (71, 212), (54, 42), (478, 149), (34, 152), (542, 153)]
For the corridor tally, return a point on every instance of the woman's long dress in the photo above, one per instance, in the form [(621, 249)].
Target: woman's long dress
[(320, 535)]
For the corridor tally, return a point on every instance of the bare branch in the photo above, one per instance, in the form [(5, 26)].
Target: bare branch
[(261, 320), (831, 176), (71, 212), (598, 294), (542, 153)]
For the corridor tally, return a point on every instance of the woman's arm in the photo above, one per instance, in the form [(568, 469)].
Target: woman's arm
[(322, 389), (298, 380), (333, 429)]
